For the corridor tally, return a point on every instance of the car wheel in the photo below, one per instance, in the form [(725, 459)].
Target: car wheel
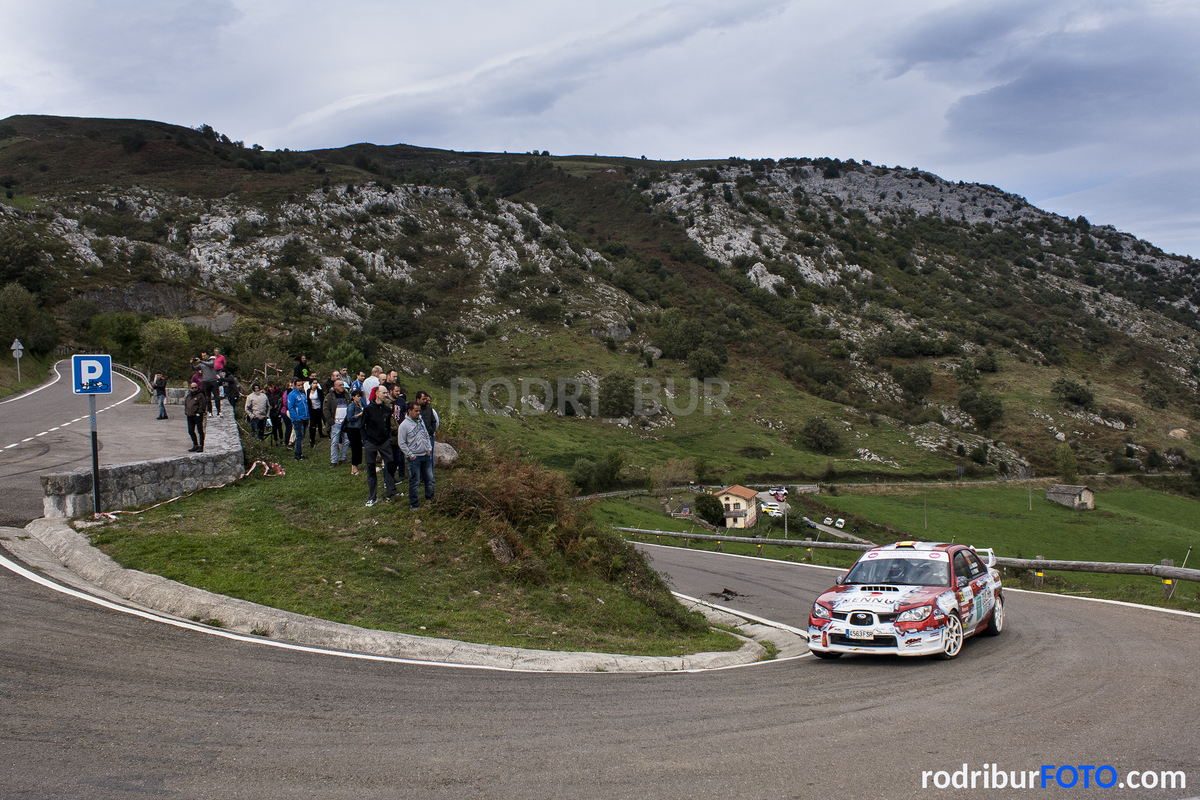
[(825, 654), (952, 638), (996, 621)]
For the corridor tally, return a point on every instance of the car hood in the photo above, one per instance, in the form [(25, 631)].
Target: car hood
[(879, 597)]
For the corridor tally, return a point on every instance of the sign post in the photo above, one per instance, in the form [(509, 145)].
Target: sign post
[(92, 375), (18, 349)]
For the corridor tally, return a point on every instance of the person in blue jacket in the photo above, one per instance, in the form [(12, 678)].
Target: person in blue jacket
[(297, 405)]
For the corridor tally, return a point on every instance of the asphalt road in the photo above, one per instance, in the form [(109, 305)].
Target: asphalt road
[(48, 430), (100, 704)]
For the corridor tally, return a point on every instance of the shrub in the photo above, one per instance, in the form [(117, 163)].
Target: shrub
[(549, 311), (821, 436), (1071, 392), (533, 511)]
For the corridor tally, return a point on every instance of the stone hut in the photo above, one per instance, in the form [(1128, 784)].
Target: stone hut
[(1079, 498)]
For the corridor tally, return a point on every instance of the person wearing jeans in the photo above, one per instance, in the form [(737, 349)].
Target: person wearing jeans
[(335, 407), (160, 394), (297, 405), (377, 444), (418, 450)]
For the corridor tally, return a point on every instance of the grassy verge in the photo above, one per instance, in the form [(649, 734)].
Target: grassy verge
[(34, 369), (305, 542)]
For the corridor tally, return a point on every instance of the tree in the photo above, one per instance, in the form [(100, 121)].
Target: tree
[(165, 345), (1067, 465), (675, 472), (344, 354), (1072, 392), (821, 436), (704, 363), (984, 407), (709, 509), (915, 380), (616, 395), (21, 318)]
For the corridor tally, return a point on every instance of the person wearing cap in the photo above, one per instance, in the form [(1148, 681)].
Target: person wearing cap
[(258, 408), (377, 444), (354, 423)]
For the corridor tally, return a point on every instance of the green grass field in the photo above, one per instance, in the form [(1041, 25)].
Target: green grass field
[(304, 542)]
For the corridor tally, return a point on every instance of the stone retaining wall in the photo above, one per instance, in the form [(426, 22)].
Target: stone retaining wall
[(69, 494)]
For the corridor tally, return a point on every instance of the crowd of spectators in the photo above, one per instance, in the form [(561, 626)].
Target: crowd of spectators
[(368, 420)]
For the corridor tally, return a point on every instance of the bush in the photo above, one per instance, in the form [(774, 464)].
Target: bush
[(532, 509), (549, 311), (1071, 392), (984, 407), (821, 436), (916, 380)]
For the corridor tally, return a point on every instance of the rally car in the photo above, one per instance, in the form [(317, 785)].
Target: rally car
[(909, 599)]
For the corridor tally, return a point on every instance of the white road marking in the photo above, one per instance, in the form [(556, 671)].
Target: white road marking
[(57, 376), (258, 640), (136, 391)]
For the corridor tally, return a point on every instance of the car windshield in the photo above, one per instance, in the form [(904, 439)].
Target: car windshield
[(912, 571)]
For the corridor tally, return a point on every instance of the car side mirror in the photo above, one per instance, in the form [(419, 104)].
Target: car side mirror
[(841, 579), (960, 581)]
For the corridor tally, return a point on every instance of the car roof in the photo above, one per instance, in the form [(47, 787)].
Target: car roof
[(918, 546)]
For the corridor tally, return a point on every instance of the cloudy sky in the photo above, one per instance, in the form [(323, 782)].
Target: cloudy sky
[(1084, 107)]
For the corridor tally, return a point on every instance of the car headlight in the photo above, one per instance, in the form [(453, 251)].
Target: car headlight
[(820, 612), (914, 614)]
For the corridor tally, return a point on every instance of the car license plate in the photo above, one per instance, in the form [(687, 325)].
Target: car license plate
[(861, 633)]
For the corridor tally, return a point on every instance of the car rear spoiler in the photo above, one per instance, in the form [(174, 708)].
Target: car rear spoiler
[(991, 555)]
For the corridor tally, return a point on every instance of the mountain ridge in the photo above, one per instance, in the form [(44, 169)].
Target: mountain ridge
[(868, 290)]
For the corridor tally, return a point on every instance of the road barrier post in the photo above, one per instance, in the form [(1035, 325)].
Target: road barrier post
[(1168, 584), (1038, 577)]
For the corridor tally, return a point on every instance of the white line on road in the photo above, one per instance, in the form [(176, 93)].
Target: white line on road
[(258, 640), (136, 391), (57, 376)]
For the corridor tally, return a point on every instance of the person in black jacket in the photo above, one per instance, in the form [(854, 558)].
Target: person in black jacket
[(275, 411), (377, 444), (160, 394), (301, 370)]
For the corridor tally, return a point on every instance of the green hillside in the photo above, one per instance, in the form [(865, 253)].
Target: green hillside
[(867, 320)]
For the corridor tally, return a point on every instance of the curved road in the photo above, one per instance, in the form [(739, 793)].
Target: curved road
[(47, 430), (100, 704)]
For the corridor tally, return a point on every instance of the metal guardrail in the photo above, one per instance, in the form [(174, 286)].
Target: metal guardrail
[(136, 374), (1156, 570)]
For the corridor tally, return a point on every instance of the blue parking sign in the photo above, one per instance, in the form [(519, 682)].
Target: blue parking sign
[(91, 374)]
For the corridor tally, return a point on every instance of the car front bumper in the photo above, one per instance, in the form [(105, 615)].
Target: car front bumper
[(887, 640)]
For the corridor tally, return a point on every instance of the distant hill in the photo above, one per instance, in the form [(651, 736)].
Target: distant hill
[(868, 319)]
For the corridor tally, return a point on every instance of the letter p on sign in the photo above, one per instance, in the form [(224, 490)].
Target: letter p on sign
[(91, 374)]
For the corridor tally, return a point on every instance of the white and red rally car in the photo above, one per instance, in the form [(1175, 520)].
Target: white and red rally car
[(909, 599)]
